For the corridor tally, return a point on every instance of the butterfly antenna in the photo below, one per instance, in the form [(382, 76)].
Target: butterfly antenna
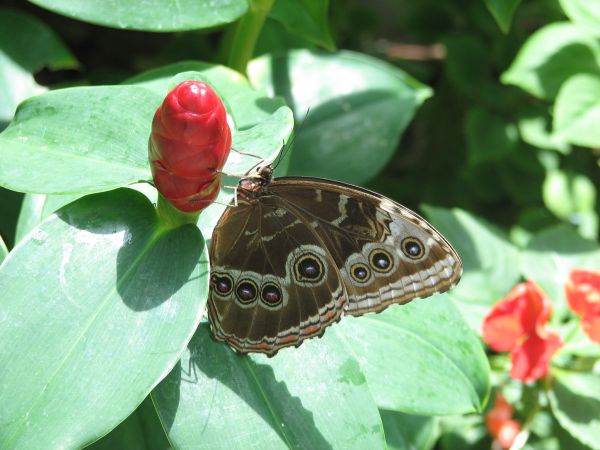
[(286, 148), (239, 152)]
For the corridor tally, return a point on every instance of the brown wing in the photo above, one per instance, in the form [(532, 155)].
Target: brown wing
[(273, 283), (385, 253)]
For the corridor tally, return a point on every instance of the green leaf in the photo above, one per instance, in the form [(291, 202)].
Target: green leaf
[(3, 250), (575, 402), (26, 46), (578, 343), (491, 262), (552, 55), (36, 207), (142, 430), (82, 140), (550, 257), (489, 137), (305, 18), (359, 107), (98, 304), (534, 129), (403, 431), (464, 432), (150, 15), (448, 371), (79, 140), (583, 13), (247, 105), (572, 196), (503, 11), (313, 397), (577, 111)]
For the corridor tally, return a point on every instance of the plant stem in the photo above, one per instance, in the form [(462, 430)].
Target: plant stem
[(240, 39), (171, 217)]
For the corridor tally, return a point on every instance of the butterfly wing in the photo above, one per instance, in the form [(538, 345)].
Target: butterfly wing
[(273, 284), (385, 253)]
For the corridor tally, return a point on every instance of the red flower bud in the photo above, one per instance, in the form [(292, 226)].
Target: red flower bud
[(518, 324), (189, 144), (583, 296)]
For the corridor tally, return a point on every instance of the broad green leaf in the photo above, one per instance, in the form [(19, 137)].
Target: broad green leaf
[(503, 11), (247, 105), (550, 257), (534, 129), (85, 140), (26, 46), (577, 111), (489, 137), (575, 402), (313, 397), (36, 207), (551, 56), (79, 140), (359, 107), (403, 431), (142, 430), (3, 250), (491, 262), (420, 358), (98, 303), (150, 15), (305, 18), (584, 13), (572, 196)]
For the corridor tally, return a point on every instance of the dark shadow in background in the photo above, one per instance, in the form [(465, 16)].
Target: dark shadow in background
[(10, 205)]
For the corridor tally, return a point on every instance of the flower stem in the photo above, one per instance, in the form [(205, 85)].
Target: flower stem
[(171, 217), (240, 39)]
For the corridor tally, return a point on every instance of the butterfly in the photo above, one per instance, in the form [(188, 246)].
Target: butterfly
[(295, 254)]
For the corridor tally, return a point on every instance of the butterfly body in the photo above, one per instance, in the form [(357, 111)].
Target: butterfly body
[(297, 253)]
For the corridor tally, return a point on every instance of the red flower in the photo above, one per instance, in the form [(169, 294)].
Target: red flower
[(500, 424), (189, 144), (518, 324), (583, 296)]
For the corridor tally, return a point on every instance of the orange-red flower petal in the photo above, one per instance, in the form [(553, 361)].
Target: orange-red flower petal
[(531, 359), (500, 424), (591, 326), (583, 292), (508, 433), (524, 311), (583, 296)]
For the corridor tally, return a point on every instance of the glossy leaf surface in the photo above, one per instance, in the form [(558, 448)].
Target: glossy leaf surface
[(416, 337), (550, 56), (359, 107), (102, 301), (311, 397), (150, 15), (26, 46)]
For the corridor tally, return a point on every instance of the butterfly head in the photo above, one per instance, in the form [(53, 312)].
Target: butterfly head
[(255, 181)]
